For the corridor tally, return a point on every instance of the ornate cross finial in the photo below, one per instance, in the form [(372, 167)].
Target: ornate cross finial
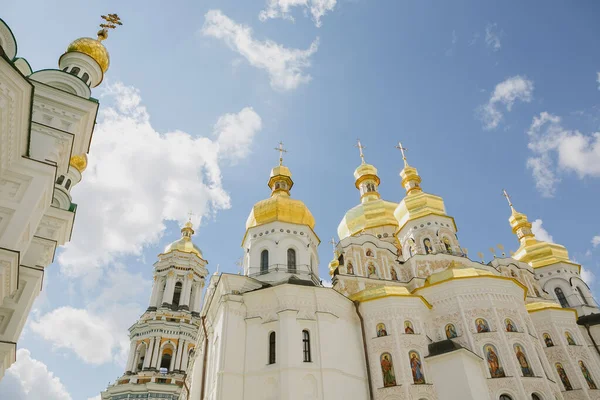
[(508, 199), (333, 242), (112, 20), (281, 150), (402, 149), (190, 214), (360, 149)]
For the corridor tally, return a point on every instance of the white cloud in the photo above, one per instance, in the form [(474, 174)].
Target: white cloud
[(557, 149), (29, 379), (506, 93), (284, 65), (95, 398), (137, 178), (326, 283), (283, 9), (540, 233), (596, 240), (492, 36), (97, 334), (588, 276)]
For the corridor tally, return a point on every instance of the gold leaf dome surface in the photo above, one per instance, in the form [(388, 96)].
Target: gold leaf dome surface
[(367, 215), (280, 207), (79, 162), (185, 244), (93, 48)]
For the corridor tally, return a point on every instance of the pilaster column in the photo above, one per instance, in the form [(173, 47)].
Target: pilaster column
[(148, 355), (132, 353), (185, 358), (180, 346), (198, 298), (187, 290), (172, 365), (155, 290), (155, 360), (168, 295)]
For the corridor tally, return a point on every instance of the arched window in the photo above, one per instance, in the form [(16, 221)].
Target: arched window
[(85, 77), (535, 397), (291, 260), (65, 69), (68, 184), (165, 361), (141, 356), (272, 348), (505, 397), (75, 71), (60, 180), (306, 345), (177, 294), (582, 296), (561, 298), (264, 261)]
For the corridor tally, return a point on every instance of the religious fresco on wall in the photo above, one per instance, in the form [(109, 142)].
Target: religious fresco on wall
[(408, 327), (450, 331), (393, 274), (381, 331), (387, 369), (369, 253), (416, 367), (587, 376), (548, 340), (427, 246), (570, 339), (523, 363), (563, 376), (447, 244), (491, 355), (510, 326), (482, 325), (371, 271), (350, 269)]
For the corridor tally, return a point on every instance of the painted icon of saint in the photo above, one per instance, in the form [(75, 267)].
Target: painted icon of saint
[(408, 328), (496, 370), (416, 368), (381, 331), (570, 339), (548, 340), (428, 246), (450, 331), (482, 325), (350, 269), (387, 369), (510, 326), (523, 363), (393, 274), (563, 377), (587, 376), (447, 244)]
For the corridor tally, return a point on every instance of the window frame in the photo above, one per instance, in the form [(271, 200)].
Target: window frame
[(306, 353), (272, 348)]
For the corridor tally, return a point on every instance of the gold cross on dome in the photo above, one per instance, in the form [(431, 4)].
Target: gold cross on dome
[(508, 199), (402, 149), (190, 214), (360, 149), (112, 20), (333, 242), (281, 150)]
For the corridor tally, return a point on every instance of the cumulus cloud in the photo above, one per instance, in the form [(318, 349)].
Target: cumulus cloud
[(505, 94), (588, 276), (283, 9), (557, 149), (285, 66), (539, 232), (137, 178), (29, 379), (596, 241), (492, 36), (98, 333)]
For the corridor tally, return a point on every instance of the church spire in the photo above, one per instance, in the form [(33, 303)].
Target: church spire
[(367, 180), (411, 181), (280, 180)]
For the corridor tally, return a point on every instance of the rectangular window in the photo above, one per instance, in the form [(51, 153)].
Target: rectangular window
[(306, 345)]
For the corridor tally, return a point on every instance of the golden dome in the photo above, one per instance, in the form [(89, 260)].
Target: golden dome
[(364, 171), (280, 206), (79, 162), (367, 215), (185, 244), (93, 48)]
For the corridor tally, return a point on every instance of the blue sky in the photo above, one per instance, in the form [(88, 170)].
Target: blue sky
[(484, 96)]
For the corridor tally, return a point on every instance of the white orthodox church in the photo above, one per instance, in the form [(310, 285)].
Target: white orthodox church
[(409, 315)]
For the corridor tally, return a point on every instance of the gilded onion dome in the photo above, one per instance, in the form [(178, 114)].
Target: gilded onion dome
[(416, 203), (184, 244), (372, 212), (535, 252), (280, 206), (93, 48), (79, 162)]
